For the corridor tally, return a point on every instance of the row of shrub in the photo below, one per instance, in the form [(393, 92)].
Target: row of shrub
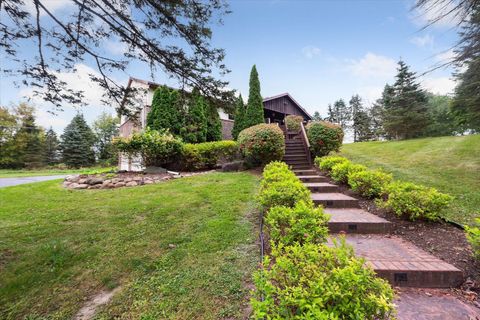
[(402, 198), (302, 277)]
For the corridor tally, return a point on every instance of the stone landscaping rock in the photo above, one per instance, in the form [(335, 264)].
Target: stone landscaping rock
[(119, 184), (232, 166), (80, 186), (115, 180), (148, 182), (94, 181), (131, 184)]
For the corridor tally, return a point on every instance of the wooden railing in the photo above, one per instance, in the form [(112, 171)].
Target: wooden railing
[(306, 143)]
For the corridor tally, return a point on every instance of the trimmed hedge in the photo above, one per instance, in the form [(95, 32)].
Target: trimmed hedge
[(293, 122), (324, 137), (261, 144), (341, 171), (369, 183), (207, 155), (326, 163)]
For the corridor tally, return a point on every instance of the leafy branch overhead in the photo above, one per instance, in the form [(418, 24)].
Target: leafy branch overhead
[(173, 36)]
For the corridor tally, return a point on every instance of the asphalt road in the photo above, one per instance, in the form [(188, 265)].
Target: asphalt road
[(8, 182)]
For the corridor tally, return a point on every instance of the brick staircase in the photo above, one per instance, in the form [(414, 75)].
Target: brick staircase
[(394, 259)]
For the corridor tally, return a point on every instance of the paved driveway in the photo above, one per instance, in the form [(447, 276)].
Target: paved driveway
[(8, 182)]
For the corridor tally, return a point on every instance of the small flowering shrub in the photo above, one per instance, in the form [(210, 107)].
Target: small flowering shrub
[(326, 163), (206, 155), (324, 137), (341, 171), (293, 122), (316, 281), (369, 183), (261, 144), (473, 236), (300, 224), (414, 201)]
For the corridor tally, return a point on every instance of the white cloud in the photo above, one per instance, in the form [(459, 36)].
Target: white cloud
[(311, 51), (372, 65), (47, 120), (51, 5), (115, 47), (370, 94), (445, 56), (425, 41), (439, 85), (423, 17)]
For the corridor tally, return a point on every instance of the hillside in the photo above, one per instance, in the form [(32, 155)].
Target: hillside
[(450, 164)]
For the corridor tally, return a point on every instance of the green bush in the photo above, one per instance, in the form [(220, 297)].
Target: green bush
[(324, 137), (414, 201), (283, 193), (340, 171), (293, 122), (369, 183), (313, 281), (156, 148), (261, 144), (473, 236), (207, 155), (300, 224), (276, 171), (326, 163)]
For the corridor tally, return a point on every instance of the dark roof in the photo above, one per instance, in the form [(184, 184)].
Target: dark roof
[(286, 94)]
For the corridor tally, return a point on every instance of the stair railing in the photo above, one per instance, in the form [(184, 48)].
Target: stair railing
[(306, 143)]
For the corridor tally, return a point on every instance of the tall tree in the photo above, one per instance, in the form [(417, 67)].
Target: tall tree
[(105, 128), (254, 114), (214, 125), (406, 115), (194, 129), (442, 120), (239, 123), (466, 104), (8, 127), (375, 116), (358, 115), (52, 145), (317, 116), (77, 143), (165, 112), (170, 35), (343, 114), (332, 116)]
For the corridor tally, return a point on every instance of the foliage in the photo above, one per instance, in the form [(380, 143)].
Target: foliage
[(301, 224), (239, 123), (341, 171), (165, 112), (254, 112), (276, 171), (105, 129), (442, 120), (473, 236), (340, 114), (206, 155), (316, 116), (361, 123), (414, 201), (194, 129), (214, 125), (52, 146), (324, 137), (316, 281), (327, 163), (8, 126), (293, 122), (369, 183), (262, 143), (156, 148), (77, 143)]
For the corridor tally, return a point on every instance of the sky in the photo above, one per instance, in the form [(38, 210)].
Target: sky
[(318, 51)]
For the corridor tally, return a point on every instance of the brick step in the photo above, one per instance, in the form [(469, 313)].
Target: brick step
[(288, 151), (403, 264), (306, 172), (313, 178), (298, 163), (300, 166), (295, 156), (321, 187), (294, 143), (334, 200), (295, 146), (354, 220)]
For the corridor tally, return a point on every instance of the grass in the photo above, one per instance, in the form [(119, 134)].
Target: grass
[(182, 249), (450, 164), (13, 173)]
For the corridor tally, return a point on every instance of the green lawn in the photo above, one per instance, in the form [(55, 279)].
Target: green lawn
[(60, 247), (450, 164), (11, 173)]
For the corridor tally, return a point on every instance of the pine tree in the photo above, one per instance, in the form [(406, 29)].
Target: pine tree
[(52, 155), (331, 114), (214, 126), (342, 113), (239, 123), (254, 114), (195, 126), (375, 115), (358, 116), (165, 112), (77, 143), (317, 116), (406, 115)]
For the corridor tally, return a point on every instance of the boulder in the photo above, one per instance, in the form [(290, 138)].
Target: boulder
[(148, 182), (131, 184), (83, 181), (79, 186), (116, 180), (95, 180), (232, 166), (119, 184)]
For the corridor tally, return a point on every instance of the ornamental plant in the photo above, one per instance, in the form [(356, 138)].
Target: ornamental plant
[(326, 163), (369, 183), (283, 193), (324, 137), (261, 144), (473, 236), (207, 155), (342, 170), (414, 201), (316, 281), (293, 122)]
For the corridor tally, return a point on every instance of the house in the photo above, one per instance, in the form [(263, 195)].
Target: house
[(275, 110)]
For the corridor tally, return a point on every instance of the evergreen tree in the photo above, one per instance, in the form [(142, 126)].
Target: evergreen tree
[(77, 143), (317, 116), (466, 103), (406, 115), (442, 119), (254, 114), (239, 123), (165, 111), (105, 129), (195, 127), (52, 155), (214, 125), (342, 113), (358, 116), (363, 126), (331, 114), (375, 116)]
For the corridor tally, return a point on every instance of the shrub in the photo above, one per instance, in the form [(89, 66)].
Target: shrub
[(319, 282), (156, 148), (473, 236), (262, 143), (208, 154), (283, 193), (369, 183), (324, 137), (326, 163), (342, 170), (414, 201), (276, 171), (300, 224), (293, 122)]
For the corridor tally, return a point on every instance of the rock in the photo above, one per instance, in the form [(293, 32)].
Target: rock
[(106, 186), (94, 181), (94, 186), (66, 183), (72, 178), (79, 186), (82, 181), (177, 176), (131, 184), (148, 182), (232, 166), (119, 184), (172, 246), (107, 181), (126, 180), (137, 178), (165, 178), (116, 180)]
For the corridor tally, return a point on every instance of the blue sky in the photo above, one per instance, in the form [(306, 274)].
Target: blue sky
[(318, 51)]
